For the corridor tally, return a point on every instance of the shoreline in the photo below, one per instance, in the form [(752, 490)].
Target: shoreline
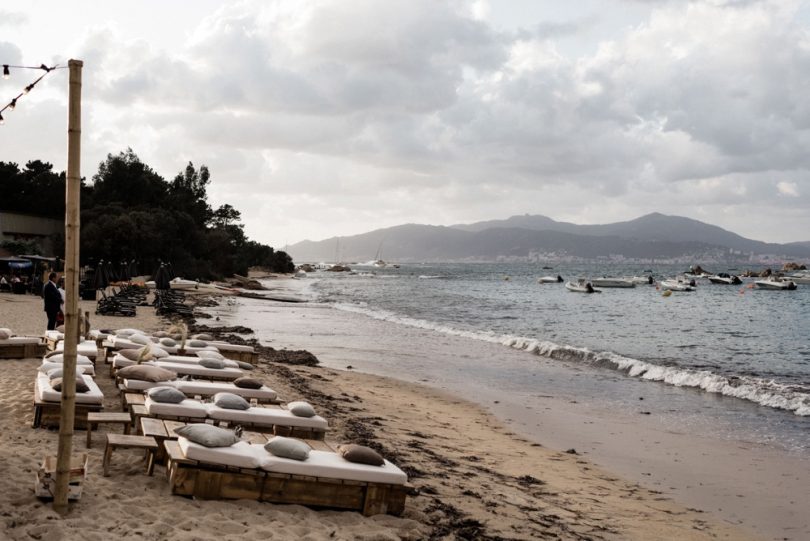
[(475, 477), (739, 482)]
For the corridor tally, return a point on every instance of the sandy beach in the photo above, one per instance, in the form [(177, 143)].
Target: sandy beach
[(475, 477)]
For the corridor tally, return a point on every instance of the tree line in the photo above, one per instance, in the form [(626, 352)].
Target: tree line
[(131, 212)]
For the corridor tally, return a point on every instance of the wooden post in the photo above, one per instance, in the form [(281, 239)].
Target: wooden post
[(72, 188)]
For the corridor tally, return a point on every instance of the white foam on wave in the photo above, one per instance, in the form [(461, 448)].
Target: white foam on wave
[(761, 391)]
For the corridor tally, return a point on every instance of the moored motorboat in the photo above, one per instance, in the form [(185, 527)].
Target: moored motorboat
[(581, 286), (776, 283), (723, 278), (550, 279), (677, 284), (612, 282), (642, 279)]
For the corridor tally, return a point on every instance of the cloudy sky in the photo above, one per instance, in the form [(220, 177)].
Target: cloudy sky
[(335, 117)]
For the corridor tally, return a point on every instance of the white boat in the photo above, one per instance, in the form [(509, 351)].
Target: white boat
[(301, 274), (612, 282), (799, 277), (642, 280), (379, 264), (581, 286), (722, 278), (776, 283), (550, 279), (677, 284)]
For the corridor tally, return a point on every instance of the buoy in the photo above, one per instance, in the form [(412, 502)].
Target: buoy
[(667, 293), (506, 278)]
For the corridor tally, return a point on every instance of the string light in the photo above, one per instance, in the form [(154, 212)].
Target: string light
[(6, 73)]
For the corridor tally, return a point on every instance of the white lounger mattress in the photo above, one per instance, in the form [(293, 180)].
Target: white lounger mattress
[(87, 348), (266, 417), (200, 371), (185, 359), (17, 340), (207, 388), (45, 393), (319, 464), (225, 346), (186, 408)]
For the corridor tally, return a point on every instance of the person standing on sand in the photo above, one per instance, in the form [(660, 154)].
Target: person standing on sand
[(53, 300)]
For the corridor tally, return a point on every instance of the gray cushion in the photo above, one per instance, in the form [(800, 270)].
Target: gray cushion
[(81, 385), (144, 372), (140, 339), (5, 333), (159, 353), (197, 343), (207, 435), (166, 395), (287, 448), (230, 401), (360, 454), (160, 334), (168, 342), (212, 363), (205, 337), (248, 383), (301, 409), (244, 366), (208, 354)]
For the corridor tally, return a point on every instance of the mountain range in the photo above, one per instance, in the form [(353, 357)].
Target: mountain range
[(534, 237)]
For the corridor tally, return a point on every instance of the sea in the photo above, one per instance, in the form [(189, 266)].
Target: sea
[(729, 360)]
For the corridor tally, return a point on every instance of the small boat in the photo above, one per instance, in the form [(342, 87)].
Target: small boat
[(550, 279), (800, 277), (643, 280), (581, 286), (776, 283), (677, 284), (723, 278), (612, 282), (301, 274)]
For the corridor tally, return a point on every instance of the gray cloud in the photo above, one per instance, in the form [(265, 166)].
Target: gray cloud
[(368, 114)]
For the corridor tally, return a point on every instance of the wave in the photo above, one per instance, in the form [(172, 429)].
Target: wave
[(794, 398)]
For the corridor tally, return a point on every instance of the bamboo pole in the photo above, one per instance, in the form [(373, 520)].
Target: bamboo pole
[(72, 314)]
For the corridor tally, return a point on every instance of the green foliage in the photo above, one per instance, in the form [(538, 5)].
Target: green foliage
[(21, 247), (131, 212)]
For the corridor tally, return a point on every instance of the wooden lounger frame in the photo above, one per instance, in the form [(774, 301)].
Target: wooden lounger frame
[(245, 356), (22, 351), (304, 433), (211, 481), (47, 414)]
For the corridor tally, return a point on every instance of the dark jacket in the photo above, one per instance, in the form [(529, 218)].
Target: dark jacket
[(53, 300)]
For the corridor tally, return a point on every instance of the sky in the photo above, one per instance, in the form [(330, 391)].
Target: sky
[(335, 117)]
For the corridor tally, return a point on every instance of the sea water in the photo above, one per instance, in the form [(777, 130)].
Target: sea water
[(725, 359)]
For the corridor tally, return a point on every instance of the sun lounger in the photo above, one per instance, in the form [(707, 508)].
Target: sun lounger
[(257, 418), (246, 471), (88, 348), (203, 388), (201, 372), (280, 421), (237, 352), (48, 402), (22, 347)]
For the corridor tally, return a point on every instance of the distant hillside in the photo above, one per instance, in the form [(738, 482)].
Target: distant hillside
[(654, 236)]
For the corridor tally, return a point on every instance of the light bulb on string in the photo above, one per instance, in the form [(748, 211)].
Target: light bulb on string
[(2, 120), (12, 104), (6, 73), (28, 89)]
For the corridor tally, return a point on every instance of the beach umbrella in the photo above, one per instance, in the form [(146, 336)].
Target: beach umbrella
[(109, 270), (123, 273), (170, 270), (162, 278), (133, 269), (100, 280)]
